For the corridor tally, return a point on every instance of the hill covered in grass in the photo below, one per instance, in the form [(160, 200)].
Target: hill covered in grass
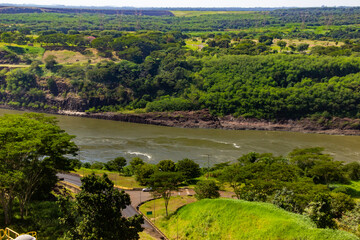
[(237, 219)]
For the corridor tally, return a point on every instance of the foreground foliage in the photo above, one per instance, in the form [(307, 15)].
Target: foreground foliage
[(96, 213), (32, 149)]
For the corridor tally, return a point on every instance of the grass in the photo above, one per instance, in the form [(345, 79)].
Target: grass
[(200, 13), (145, 236), (70, 57), (23, 49), (14, 65), (122, 181), (159, 213), (313, 43), (355, 185), (237, 219), (194, 45), (352, 189), (133, 111)]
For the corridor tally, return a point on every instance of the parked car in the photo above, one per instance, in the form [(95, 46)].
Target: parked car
[(148, 189)]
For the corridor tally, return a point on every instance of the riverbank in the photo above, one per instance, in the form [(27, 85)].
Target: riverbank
[(203, 119)]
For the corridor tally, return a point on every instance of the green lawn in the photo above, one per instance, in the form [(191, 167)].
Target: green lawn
[(122, 181), (23, 49), (157, 207), (237, 219)]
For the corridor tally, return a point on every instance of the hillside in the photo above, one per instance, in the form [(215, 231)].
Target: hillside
[(269, 74), (236, 219)]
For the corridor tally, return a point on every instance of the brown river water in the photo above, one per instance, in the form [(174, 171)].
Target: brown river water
[(103, 140)]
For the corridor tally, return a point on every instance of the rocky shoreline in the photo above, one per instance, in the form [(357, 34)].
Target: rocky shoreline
[(203, 119)]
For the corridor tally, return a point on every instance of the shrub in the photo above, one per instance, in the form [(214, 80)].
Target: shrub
[(206, 189), (170, 104)]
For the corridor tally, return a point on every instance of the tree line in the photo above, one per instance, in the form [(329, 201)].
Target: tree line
[(282, 86), (63, 22)]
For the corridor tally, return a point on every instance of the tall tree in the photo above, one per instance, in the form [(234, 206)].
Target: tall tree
[(96, 214), (188, 168), (116, 164), (166, 166), (31, 146), (235, 176), (163, 183)]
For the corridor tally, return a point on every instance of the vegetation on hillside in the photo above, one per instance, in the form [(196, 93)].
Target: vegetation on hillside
[(281, 86), (276, 66), (237, 219)]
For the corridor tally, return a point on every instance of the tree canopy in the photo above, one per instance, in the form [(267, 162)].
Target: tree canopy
[(96, 213), (32, 149)]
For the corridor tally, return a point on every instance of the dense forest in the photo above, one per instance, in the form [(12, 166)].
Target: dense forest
[(306, 66), (140, 20)]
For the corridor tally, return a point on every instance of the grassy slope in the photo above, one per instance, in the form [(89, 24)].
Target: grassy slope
[(356, 186), (157, 207), (354, 189), (146, 236), (236, 219), (22, 49)]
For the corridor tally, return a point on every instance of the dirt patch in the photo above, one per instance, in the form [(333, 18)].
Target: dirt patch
[(312, 43), (71, 57)]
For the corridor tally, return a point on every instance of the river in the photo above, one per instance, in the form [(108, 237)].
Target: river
[(103, 140)]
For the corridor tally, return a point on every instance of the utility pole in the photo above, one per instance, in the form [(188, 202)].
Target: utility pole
[(177, 226), (208, 164)]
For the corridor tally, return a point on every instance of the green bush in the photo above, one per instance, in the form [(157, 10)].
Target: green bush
[(170, 104)]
